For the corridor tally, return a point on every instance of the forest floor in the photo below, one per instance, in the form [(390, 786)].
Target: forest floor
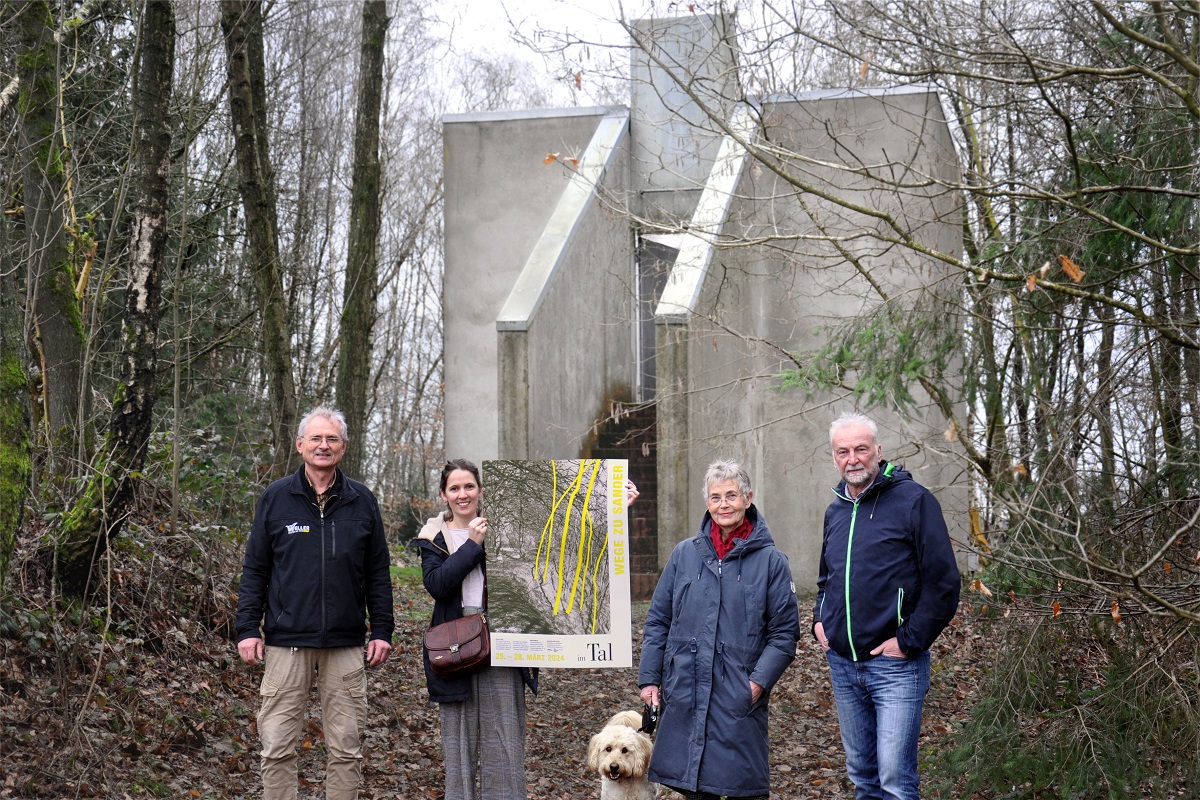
[(168, 711)]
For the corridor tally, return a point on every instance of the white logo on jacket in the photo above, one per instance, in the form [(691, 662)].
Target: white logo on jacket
[(297, 527)]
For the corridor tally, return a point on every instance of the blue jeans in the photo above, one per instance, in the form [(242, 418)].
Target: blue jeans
[(879, 709)]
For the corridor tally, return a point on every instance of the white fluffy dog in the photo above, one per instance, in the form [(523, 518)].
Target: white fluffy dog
[(620, 755)]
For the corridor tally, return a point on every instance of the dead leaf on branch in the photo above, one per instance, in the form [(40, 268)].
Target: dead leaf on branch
[(570, 161), (1071, 268)]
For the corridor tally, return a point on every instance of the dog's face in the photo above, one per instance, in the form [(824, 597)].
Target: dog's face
[(619, 752)]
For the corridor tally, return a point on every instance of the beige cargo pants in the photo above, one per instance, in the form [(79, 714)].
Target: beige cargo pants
[(342, 686)]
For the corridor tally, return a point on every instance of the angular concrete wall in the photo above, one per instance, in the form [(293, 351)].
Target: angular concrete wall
[(720, 332), (677, 353), (540, 319), (566, 328), (673, 144), (499, 197)]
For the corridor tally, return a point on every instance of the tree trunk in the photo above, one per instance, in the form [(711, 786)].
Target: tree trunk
[(15, 462), (110, 494), (241, 23), (55, 330), (1105, 380), (1177, 468), (362, 266)]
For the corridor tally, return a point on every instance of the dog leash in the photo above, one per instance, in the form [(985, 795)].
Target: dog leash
[(649, 719)]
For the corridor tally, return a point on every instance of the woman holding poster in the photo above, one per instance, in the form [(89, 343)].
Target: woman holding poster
[(482, 714)]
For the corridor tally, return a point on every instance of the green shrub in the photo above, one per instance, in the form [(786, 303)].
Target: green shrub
[(1082, 708)]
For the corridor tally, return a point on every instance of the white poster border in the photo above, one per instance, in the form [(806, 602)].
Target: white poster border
[(575, 651)]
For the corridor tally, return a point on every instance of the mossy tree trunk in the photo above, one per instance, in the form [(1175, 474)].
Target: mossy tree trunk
[(111, 489), (55, 330), (361, 289), (242, 26), (15, 462)]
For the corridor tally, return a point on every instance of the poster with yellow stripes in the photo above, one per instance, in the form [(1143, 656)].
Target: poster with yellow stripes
[(557, 563)]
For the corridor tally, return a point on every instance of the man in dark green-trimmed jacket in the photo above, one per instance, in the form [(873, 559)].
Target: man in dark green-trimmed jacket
[(887, 586)]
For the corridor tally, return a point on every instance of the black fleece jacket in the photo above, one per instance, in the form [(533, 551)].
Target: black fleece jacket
[(310, 577)]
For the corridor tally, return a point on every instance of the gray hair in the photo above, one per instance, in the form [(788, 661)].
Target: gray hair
[(331, 414), (847, 418), (720, 471)]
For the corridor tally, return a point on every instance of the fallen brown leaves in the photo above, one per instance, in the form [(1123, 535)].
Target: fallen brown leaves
[(172, 710)]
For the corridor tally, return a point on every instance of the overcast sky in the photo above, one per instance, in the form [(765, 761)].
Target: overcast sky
[(488, 27)]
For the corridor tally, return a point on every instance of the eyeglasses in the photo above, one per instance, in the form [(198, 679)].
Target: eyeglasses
[(728, 497), (332, 441)]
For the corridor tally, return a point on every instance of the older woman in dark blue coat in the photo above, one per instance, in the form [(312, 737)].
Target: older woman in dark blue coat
[(721, 629)]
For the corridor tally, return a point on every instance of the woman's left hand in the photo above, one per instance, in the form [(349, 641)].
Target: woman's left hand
[(631, 493)]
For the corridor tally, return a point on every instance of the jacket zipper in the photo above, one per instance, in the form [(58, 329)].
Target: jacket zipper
[(887, 473), (849, 548), (324, 620), (694, 648)]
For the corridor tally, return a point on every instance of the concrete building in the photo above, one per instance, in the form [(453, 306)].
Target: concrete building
[(638, 293)]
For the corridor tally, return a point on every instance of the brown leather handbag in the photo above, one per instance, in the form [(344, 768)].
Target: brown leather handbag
[(459, 647)]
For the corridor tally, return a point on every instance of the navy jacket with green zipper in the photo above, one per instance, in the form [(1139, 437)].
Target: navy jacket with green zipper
[(310, 577), (887, 568)]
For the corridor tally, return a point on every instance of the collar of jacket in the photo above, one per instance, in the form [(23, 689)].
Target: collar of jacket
[(432, 527), (341, 490), (883, 478), (760, 536)]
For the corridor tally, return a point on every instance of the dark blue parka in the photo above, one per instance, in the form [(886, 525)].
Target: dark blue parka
[(887, 568), (309, 574), (714, 626), (443, 573)]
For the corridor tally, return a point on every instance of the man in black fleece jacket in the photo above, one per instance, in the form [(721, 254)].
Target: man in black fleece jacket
[(316, 563)]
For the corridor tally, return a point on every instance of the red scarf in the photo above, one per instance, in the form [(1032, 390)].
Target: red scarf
[(723, 547)]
